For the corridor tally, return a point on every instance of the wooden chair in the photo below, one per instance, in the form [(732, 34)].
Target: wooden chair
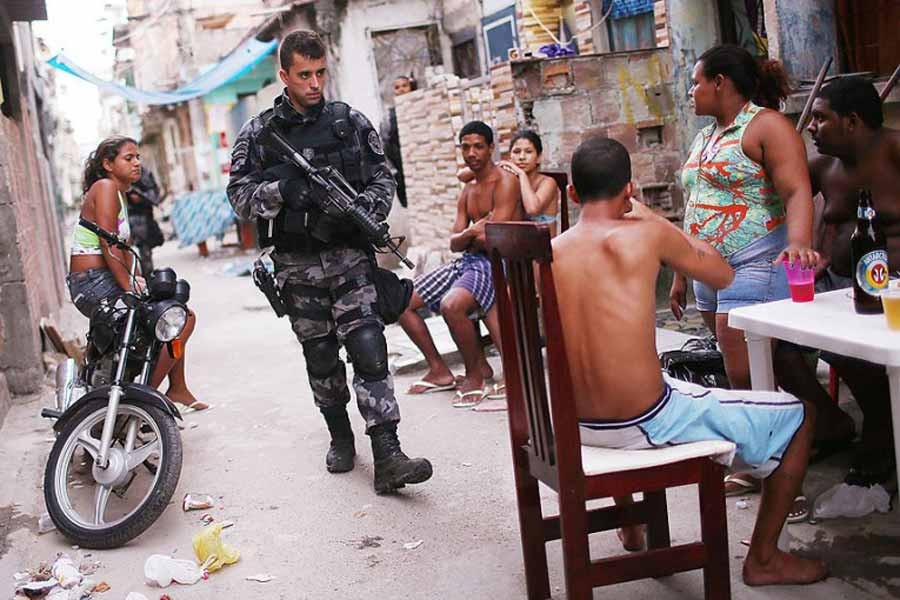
[(546, 447)]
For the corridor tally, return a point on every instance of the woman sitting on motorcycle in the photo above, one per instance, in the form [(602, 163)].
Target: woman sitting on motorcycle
[(98, 272)]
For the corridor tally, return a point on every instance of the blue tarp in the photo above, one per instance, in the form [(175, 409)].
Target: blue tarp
[(198, 216), (237, 63), (628, 8)]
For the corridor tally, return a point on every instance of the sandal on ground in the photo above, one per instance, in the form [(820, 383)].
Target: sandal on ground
[(799, 510), (431, 388), (491, 404), (195, 406), (740, 484), (468, 399), (498, 392)]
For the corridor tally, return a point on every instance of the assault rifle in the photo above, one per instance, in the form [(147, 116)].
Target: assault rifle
[(340, 196)]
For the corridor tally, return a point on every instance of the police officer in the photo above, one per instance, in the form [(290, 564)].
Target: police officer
[(322, 263)]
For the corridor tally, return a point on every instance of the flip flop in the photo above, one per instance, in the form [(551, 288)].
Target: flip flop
[(498, 392), (491, 404), (468, 399), (741, 484), (431, 388), (192, 407), (799, 510)]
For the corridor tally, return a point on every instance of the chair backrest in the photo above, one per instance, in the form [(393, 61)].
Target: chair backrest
[(562, 180), (549, 428)]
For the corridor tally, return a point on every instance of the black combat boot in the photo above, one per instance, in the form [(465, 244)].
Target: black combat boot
[(342, 450), (393, 469)]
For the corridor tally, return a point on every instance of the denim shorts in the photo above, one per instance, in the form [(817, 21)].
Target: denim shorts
[(756, 279), (90, 288)]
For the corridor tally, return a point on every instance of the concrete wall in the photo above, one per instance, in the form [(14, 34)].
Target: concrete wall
[(31, 254), (627, 96), (692, 29), (802, 34), (353, 67)]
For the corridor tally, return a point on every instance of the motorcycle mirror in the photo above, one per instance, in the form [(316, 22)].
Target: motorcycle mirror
[(182, 291), (162, 284)]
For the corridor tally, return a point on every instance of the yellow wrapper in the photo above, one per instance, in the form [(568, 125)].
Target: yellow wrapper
[(207, 542)]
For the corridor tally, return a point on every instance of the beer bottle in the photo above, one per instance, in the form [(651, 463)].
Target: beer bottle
[(868, 251)]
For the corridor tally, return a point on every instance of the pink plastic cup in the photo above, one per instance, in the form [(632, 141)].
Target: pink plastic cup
[(802, 281)]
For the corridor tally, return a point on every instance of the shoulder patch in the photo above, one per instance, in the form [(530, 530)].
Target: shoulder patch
[(375, 143)]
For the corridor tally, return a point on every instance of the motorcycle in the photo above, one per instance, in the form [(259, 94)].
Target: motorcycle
[(117, 456)]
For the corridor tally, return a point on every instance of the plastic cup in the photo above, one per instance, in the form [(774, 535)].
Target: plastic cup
[(802, 281), (890, 300)]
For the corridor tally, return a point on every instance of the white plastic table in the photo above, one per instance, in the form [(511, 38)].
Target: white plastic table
[(829, 323)]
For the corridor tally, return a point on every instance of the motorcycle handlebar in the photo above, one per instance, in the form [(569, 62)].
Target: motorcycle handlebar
[(112, 239)]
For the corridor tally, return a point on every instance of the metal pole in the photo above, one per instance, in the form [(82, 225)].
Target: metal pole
[(804, 116)]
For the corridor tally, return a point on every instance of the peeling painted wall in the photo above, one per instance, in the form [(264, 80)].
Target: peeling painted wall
[(693, 28), (627, 96), (353, 69), (807, 35)]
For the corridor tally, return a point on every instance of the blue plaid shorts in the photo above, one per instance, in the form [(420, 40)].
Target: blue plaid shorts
[(472, 272)]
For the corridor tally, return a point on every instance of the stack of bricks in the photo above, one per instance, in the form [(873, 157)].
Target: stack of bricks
[(504, 105), (661, 24), (584, 20), (428, 123), (531, 14)]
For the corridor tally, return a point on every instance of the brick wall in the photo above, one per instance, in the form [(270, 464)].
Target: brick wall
[(428, 123), (31, 255), (627, 96)]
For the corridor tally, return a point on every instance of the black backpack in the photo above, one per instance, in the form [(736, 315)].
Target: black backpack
[(699, 361)]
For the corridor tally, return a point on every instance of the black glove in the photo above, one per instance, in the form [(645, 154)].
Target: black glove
[(364, 202), (300, 195)]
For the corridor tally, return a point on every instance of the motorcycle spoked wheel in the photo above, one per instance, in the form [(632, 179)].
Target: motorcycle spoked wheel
[(107, 515)]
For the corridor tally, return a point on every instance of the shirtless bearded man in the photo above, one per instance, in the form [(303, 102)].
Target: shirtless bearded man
[(854, 152)]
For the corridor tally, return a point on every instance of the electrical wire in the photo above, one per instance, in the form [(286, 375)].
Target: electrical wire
[(166, 5)]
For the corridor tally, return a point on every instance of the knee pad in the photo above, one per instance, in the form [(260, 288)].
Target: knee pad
[(368, 351), (321, 355)]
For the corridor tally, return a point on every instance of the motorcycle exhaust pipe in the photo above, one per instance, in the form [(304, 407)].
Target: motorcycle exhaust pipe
[(66, 372)]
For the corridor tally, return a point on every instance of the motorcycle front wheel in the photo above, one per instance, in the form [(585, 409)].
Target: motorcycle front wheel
[(105, 508)]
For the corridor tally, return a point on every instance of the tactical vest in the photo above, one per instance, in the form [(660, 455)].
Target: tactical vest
[(330, 140)]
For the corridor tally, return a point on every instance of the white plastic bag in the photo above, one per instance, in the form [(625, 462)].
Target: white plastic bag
[(162, 570), (851, 501), (65, 572)]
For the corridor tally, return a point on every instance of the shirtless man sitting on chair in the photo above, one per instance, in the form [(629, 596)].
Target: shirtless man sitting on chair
[(605, 269), (463, 286)]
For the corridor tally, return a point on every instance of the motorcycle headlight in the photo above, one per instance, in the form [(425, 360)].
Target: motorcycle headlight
[(167, 320)]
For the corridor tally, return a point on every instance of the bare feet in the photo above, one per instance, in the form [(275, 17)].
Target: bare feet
[(185, 397), (783, 569), (632, 537)]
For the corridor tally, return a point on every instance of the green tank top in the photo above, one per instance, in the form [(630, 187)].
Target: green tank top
[(731, 200), (85, 241)]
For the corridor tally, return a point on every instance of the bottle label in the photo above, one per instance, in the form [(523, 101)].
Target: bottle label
[(872, 272), (865, 212)]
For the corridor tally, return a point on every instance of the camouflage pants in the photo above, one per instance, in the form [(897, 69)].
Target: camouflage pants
[(318, 291)]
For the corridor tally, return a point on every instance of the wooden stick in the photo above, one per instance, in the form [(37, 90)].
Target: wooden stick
[(890, 84), (801, 123)]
